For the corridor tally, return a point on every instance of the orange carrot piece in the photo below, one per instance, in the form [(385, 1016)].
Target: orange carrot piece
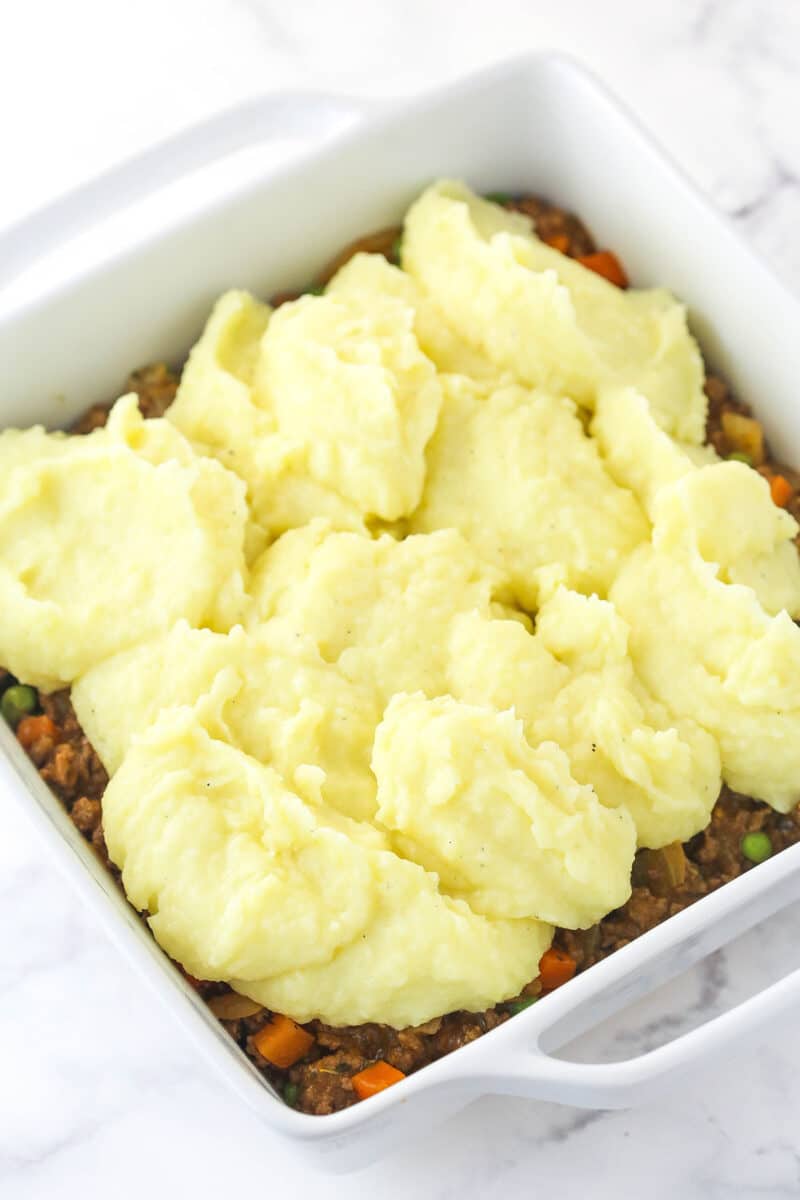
[(282, 1041), (374, 1079), (555, 967), (31, 729), (604, 263), (559, 241), (781, 490)]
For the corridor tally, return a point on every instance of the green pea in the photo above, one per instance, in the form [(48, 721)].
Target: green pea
[(397, 249), (314, 289), (756, 846), (519, 1005), (499, 197), (17, 702), (290, 1093), (740, 456)]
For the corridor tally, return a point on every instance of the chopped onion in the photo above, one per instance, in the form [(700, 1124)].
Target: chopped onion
[(660, 870), (230, 1006), (744, 435)]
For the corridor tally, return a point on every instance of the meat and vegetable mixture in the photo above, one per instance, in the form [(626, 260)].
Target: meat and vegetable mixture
[(322, 1067)]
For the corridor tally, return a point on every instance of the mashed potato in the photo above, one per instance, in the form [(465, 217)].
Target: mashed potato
[(302, 909), (418, 615), (380, 609), (574, 684), (553, 501), (636, 451), (552, 850), (707, 648), (423, 608), (349, 381), (497, 284), (342, 624), (269, 693), (324, 409), (369, 278), (753, 545), (108, 539)]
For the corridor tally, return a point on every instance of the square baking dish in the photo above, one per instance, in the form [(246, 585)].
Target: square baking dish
[(540, 123)]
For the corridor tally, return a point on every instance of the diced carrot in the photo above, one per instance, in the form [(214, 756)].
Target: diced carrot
[(555, 967), (374, 1079), (32, 729), (559, 241), (781, 490), (282, 1041), (604, 263)]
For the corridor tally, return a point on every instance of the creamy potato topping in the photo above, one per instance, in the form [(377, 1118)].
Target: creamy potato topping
[(421, 610)]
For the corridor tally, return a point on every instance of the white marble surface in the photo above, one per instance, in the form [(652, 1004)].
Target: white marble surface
[(98, 1093)]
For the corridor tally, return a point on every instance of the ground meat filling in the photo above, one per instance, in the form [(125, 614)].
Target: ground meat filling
[(155, 386), (71, 767), (321, 1082), (713, 858), (553, 225)]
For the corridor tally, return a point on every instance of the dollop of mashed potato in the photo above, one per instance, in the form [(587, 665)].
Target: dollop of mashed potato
[(637, 453), (302, 909), (349, 381), (421, 610), (497, 283), (324, 409), (753, 545), (369, 278), (552, 849), (573, 684), (552, 502), (707, 648), (107, 539), (380, 609)]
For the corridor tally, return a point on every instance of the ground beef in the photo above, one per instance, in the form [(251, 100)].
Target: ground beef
[(70, 764), (714, 857), (555, 226), (87, 815), (321, 1082), (720, 401), (384, 241), (155, 386)]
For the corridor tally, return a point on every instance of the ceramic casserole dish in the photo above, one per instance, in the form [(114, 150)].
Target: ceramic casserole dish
[(539, 124)]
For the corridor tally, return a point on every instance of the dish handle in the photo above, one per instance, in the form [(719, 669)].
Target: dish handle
[(312, 115), (522, 1059), (537, 1074)]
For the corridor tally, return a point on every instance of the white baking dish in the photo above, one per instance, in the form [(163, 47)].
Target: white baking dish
[(539, 124)]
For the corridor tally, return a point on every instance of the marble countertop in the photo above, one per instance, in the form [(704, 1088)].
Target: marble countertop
[(99, 1094)]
